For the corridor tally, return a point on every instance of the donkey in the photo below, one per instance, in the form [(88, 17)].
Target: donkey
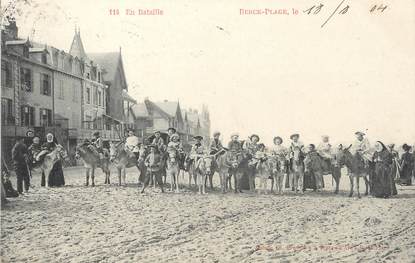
[(277, 166), (356, 168), (204, 167), (92, 161), (47, 161), (173, 168), (123, 159), (297, 170)]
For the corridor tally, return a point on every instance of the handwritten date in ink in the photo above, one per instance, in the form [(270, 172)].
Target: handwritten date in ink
[(341, 9)]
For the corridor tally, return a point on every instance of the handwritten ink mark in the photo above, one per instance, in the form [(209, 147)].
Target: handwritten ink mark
[(332, 14)]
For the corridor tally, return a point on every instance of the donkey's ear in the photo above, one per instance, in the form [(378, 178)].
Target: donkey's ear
[(348, 148)]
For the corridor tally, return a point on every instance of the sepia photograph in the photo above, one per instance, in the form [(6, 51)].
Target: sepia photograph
[(207, 131)]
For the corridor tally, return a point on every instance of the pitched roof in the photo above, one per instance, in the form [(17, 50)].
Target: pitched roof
[(108, 61), (77, 48), (170, 107), (140, 110)]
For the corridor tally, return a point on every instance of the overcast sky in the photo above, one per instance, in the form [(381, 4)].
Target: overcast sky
[(272, 75)]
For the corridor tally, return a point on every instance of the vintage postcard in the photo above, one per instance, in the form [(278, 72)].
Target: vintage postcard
[(207, 131)]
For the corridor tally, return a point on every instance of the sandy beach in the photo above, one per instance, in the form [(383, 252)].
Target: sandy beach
[(118, 224)]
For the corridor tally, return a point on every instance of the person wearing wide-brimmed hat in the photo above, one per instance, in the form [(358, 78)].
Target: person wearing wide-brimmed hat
[(174, 142), (295, 143), (278, 149), (407, 164), (235, 146), (362, 146), (170, 132), (216, 144), (251, 145)]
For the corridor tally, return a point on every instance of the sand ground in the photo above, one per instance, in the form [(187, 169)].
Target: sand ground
[(118, 224)]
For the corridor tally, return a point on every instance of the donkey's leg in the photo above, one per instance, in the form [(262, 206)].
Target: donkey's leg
[(124, 175), (229, 180), (146, 182), (235, 183), (280, 183), (272, 183), (204, 185), (367, 185), (351, 184), (119, 175), (211, 181), (93, 176), (87, 177), (177, 180), (357, 186), (221, 182)]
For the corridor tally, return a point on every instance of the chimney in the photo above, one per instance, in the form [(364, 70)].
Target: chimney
[(11, 30)]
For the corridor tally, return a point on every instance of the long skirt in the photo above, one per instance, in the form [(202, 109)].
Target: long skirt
[(56, 177), (383, 184), (406, 176)]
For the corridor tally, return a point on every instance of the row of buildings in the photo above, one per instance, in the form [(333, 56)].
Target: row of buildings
[(73, 94)]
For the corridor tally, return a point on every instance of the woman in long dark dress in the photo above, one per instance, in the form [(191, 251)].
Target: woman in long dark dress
[(383, 184), (56, 177), (407, 165)]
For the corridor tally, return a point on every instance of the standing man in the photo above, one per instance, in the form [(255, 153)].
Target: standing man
[(19, 156), (215, 145)]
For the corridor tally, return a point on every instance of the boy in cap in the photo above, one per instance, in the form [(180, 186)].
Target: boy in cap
[(154, 165)]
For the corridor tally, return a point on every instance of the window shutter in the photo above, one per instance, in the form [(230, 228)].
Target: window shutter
[(41, 83)]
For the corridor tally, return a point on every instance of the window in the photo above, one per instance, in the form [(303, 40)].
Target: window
[(44, 58), (88, 95), (99, 76), (87, 75), (6, 111), (6, 74), (26, 79), (45, 84), (27, 115), (45, 117), (95, 95), (88, 120), (61, 90), (74, 93), (99, 98)]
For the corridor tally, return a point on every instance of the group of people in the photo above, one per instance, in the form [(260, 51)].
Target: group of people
[(389, 165), (26, 158)]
